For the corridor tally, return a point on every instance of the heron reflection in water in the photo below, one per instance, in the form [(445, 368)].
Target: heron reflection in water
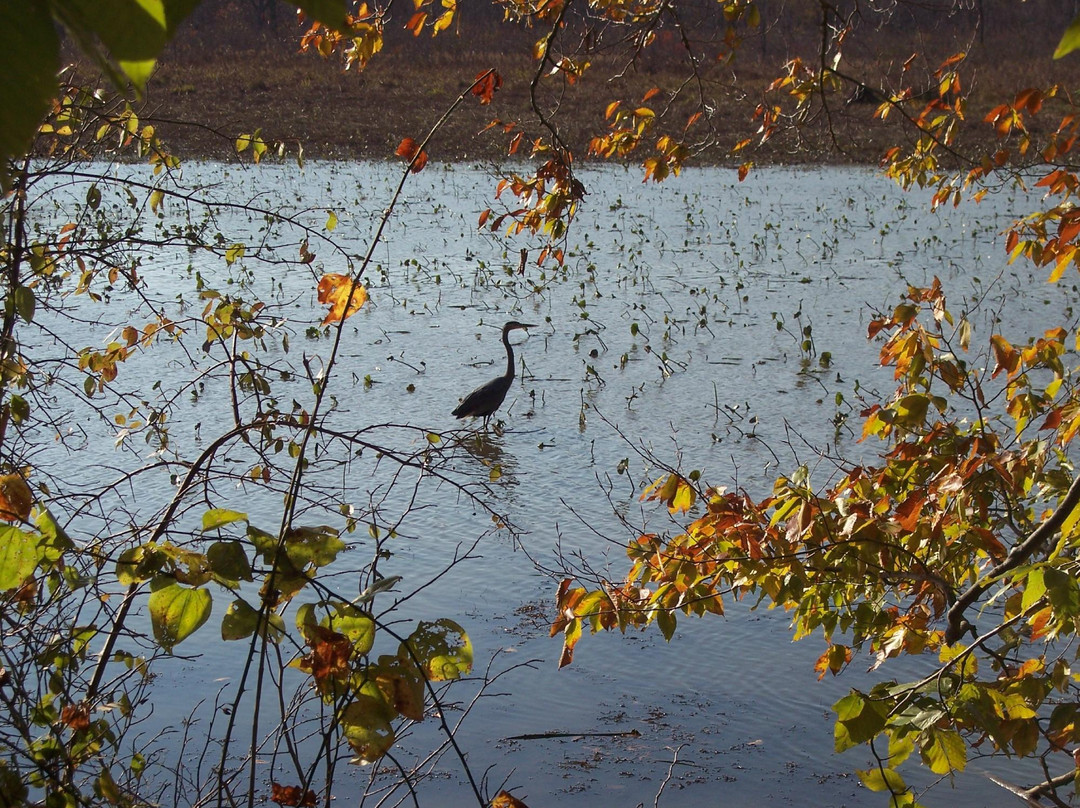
[(485, 399)]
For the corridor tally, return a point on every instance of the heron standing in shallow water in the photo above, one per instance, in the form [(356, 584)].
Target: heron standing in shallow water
[(485, 399)]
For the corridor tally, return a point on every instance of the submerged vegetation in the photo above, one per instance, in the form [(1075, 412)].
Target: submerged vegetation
[(950, 533)]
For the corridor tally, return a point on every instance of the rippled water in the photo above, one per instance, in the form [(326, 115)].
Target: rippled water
[(717, 277)]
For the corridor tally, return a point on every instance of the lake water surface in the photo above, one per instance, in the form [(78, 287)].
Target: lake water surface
[(673, 332)]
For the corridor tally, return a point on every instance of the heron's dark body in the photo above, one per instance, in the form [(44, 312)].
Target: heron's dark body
[(485, 399)]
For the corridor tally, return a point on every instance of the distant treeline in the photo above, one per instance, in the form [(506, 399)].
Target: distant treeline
[(788, 28)]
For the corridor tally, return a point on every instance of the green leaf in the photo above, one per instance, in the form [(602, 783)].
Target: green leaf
[(858, 719), (133, 31), (442, 649), (55, 540), (229, 562), (1070, 40), (318, 546), (217, 517), (25, 302), (330, 13), (911, 410), (19, 556), (354, 624), (1034, 589), (306, 619), (901, 745), (139, 564), (19, 408), (1062, 591), (665, 619), (239, 622), (366, 725), (29, 61), (177, 612)]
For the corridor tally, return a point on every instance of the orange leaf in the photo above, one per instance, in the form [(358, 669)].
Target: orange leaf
[(416, 23), (15, 498), (505, 800), (407, 148), (411, 151), (76, 716), (485, 85), (291, 796), (344, 296), (654, 91)]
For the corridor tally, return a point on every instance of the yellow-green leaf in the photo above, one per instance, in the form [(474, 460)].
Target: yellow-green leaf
[(878, 779), (442, 649), (177, 612), (217, 517), (18, 556), (944, 752), (1070, 40)]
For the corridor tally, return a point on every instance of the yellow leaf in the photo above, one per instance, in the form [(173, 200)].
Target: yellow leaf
[(443, 22), (344, 295)]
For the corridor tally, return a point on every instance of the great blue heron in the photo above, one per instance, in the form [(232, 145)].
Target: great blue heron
[(485, 399)]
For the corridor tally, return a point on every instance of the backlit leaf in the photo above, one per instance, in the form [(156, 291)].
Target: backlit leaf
[(355, 625), (18, 556), (411, 151), (16, 499), (366, 723), (218, 517), (331, 13), (945, 752), (878, 779), (505, 799), (229, 561), (345, 296), (441, 648), (1070, 40), (177, 612), (240, 621)]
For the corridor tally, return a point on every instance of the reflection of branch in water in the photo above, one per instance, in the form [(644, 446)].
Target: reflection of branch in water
[(537, 736)]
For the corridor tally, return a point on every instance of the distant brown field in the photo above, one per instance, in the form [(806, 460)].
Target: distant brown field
[(228, 74)]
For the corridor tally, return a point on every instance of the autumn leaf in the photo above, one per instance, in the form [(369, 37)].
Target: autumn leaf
[(416, 23), (75, 716), (411, 151), (330, 653), (344, 295), (15, 498), (292, 796), (506, 800), (485, 85)]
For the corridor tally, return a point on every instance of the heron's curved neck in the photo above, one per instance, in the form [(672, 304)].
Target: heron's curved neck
[(509, 356)]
